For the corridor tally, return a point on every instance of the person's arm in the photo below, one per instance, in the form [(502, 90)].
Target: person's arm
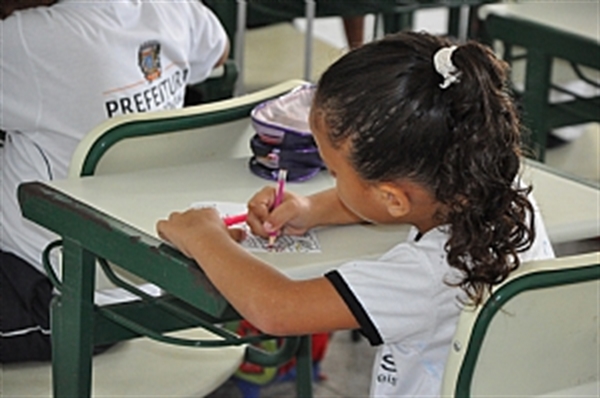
[(209, 44), (296, 214), (224, 56), (268, 299)]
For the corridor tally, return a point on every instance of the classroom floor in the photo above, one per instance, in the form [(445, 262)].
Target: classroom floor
[(274, 54)]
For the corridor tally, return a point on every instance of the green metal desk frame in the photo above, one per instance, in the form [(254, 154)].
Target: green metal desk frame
[(397, 14), (402, 17), (542, 45), (77, 324)]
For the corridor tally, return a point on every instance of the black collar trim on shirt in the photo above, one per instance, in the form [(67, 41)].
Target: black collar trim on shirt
[(368, 329)]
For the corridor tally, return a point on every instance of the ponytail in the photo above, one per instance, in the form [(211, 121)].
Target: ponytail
[(490, 216)]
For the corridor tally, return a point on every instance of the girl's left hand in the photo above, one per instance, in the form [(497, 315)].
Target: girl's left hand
[(195, 227)]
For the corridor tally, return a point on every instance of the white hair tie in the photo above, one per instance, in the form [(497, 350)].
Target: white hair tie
[(442, 60)]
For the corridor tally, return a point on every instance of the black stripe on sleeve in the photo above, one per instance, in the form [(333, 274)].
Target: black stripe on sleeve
[(368, 329)]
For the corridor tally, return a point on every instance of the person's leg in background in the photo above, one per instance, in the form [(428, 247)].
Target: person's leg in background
[(354, 28)]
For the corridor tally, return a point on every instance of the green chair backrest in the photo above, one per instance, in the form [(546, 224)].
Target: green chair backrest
[(174, 137), (536, 334)]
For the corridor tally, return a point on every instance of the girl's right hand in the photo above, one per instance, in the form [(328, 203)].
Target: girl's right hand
[(291, 217)]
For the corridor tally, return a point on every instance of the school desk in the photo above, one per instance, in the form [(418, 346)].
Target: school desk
[(546, 31), (114, 217)]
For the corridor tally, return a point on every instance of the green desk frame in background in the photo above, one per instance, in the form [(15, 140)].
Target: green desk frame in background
[(543, 44), (402, 15), (397, 15)]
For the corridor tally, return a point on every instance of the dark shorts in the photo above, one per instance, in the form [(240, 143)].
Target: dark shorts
[(25, 295)]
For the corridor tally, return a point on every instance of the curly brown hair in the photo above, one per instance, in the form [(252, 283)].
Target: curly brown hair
[(462, 143)]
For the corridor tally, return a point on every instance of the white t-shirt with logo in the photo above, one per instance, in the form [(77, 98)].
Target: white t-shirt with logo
[(66, 68), (405, 307)]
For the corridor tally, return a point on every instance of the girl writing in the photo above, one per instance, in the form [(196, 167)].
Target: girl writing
[(415, 130)]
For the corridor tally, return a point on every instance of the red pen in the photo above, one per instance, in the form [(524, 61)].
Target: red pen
[(237, 219)]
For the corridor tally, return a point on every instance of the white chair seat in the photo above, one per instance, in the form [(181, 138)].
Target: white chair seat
[(587, 390), (139, 368)]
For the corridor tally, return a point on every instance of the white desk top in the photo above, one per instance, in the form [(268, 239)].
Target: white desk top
[(580, 17), (570, 209), (140, 199)]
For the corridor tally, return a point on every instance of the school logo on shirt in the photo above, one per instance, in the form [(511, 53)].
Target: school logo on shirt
[(387, 373), (149, 60)]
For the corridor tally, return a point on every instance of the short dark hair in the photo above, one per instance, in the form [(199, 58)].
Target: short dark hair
[(7, 7)]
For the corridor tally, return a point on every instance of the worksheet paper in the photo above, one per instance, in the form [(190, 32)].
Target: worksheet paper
[(307, 243)]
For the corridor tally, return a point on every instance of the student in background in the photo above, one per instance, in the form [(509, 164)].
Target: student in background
[(67, 66), (416, 130)]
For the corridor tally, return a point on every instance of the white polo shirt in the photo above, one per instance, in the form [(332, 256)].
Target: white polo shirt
[(405, 307), (66, 68)]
